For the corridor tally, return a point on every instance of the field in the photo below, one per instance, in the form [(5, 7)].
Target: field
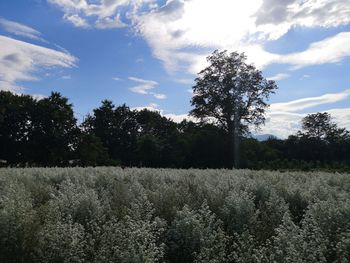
[(164, 215)]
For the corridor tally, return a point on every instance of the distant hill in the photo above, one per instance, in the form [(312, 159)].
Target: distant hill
[(263, 137)]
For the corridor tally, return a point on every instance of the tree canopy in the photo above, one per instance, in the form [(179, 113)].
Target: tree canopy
[(231, 93), (46, 133), (321, 126)]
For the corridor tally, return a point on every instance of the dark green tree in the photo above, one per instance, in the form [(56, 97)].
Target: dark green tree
[(90, 151), (15, 126), (158, 140), (205, 145), (232, 94), (54, 135), (117, 129), (321, 126)]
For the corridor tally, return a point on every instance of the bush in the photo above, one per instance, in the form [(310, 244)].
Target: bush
[(162, 215)]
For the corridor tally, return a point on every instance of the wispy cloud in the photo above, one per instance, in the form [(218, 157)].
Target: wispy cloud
[(279, 76), (175, 117), (284, 119), (181, 35), (19, 61), (66, 77), (159, 96), (76, 20), (101, 14), (297, 105), (20, 29), (143, 86), (110, 22), (329, 50), (283, 124), (150, 107)]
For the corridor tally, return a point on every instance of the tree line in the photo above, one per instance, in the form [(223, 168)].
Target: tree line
[(46, 133), (229, 97)]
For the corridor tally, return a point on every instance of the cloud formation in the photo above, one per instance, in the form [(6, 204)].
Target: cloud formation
[(329, 50), (288, 113), (159, 96), (284, 113), (102, 14), (181, 33), (279, 76), (174, 117), (20, 29), (20, 60), (143, 85), (301, 104), (292, 121), (308, 13), (76, 20)]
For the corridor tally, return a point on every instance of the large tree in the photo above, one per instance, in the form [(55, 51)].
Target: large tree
[(116, 127), (16, 113), (54, 134), (233, 94), (321, 126)]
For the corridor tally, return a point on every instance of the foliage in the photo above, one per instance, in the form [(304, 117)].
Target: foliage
[(320, 126), (162, 215), (45, 133), (232, 93)]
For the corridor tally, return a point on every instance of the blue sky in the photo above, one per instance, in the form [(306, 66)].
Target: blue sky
[(146, 53)]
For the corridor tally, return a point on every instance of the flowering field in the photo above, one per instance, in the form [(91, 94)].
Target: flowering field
[(164, 215)]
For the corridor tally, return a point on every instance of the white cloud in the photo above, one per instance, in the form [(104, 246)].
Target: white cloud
[(196, 24), (283, 124), (175, 117), (179, 117), (150, 107), (66, 77), (20, 60), (283, 119), (143, 86), (305, 76), (159, 96), (116, 78), (279, 76), (329, 50), (103, 14), (341, 116), (38, 96), (297, 105), (182, 33), (309, 13), (110, 22), (20, 29), (76, 20)]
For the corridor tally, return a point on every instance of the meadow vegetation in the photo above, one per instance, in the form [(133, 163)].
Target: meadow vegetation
[(164, 215)]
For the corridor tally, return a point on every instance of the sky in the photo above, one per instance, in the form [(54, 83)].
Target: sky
[(146, 53)]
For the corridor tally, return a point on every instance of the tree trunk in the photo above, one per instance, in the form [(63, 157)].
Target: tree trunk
[(236, 141)]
